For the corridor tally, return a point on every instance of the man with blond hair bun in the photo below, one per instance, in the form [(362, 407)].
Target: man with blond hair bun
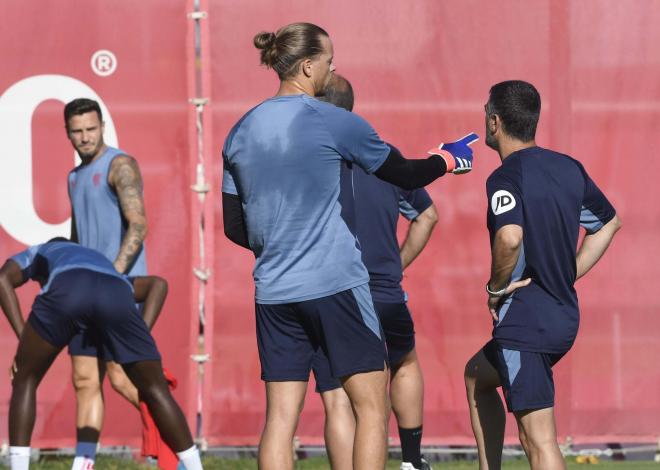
[(281, 189)]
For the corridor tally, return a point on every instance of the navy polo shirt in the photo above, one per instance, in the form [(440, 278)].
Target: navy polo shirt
[(550, 196)]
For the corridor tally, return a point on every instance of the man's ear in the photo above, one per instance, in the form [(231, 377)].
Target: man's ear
[(306, 67), (494, 123)]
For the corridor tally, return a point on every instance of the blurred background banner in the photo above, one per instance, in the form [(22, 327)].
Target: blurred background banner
[(132, 56), (421, 73)]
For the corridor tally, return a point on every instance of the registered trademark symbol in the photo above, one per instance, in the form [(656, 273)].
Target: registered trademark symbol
[(104, 63)]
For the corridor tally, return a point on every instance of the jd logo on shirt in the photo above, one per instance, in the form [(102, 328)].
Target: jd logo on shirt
[(502, 201)]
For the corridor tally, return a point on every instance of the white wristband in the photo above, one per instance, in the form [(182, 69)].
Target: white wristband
[(498, 293)]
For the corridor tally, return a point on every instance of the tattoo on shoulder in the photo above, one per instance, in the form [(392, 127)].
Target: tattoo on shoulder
[(128, 186), (127, 182), (125, 172)]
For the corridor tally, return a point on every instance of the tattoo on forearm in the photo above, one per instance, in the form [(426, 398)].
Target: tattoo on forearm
[(127, 181)]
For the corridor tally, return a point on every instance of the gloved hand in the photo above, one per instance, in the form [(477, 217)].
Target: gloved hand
[(457, 155)]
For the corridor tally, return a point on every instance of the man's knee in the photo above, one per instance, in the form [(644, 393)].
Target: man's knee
[(374, 403), (285, 401), (284, 411), (538, 442), (118, 379), (85, 377), (470, 375), (479, 374), (538, 430), (24, 384), (336, 404)]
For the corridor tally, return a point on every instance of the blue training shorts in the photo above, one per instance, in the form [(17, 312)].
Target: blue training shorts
[(98, 304), (87, 343), (526, 377), (399, 329), (344, 326)]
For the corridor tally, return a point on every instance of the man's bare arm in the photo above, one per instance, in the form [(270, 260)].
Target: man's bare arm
[(594, 245), (11, 277), (152, 290), (126, 180), (506, 248), (419, 232)]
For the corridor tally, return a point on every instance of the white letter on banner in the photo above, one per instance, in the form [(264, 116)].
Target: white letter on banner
[(17, 105)]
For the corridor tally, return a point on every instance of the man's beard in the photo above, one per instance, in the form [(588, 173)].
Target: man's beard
[(491, 141), (88, 154)]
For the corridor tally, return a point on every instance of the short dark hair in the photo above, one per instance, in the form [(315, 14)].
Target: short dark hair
[(59, 239), (518, 105), (339, 92), (282, 51), (81, 106)]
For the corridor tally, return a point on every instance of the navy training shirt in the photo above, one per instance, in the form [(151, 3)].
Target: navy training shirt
[(42, 263), (550, 196), (283, 159), (377, 208)]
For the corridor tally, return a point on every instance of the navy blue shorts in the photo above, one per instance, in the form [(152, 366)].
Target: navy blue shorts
[(344, 325), (99, 304), (526, 377), (322, 374), (399, 329), (89, 343)]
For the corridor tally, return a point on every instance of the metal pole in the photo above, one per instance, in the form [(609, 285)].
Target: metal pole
[(201, 187)]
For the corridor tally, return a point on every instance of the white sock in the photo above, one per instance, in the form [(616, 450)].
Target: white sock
[(82, 462), (19, 458), (190, 458)]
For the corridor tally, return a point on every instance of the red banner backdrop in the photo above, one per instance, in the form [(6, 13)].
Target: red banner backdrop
[(50, 55), (421, 72)]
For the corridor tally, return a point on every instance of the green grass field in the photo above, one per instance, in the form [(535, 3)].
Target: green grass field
[(320, 463)]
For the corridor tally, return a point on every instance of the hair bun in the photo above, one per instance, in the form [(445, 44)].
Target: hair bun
[(264, 40)]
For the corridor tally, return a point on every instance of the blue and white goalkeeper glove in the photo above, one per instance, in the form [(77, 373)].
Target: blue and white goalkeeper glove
[(457, 155)]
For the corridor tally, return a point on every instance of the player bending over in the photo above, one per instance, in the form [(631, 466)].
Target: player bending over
[(81, 290)]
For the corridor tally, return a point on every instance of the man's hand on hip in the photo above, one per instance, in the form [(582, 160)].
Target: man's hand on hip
[(494, 300)]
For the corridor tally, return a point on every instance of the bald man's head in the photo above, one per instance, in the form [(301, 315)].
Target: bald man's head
[(339, 92)]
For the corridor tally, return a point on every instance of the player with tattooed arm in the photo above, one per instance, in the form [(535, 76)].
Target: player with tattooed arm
[(107, 214)]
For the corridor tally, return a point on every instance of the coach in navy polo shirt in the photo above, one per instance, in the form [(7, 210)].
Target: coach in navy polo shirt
[(377, 206), (537, 201)]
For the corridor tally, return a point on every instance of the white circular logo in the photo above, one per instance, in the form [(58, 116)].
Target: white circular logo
[(18, 216), (502, 201), (104, 63)]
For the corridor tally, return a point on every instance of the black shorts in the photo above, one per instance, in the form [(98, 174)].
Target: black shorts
[(344, 325), (100, 305)]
